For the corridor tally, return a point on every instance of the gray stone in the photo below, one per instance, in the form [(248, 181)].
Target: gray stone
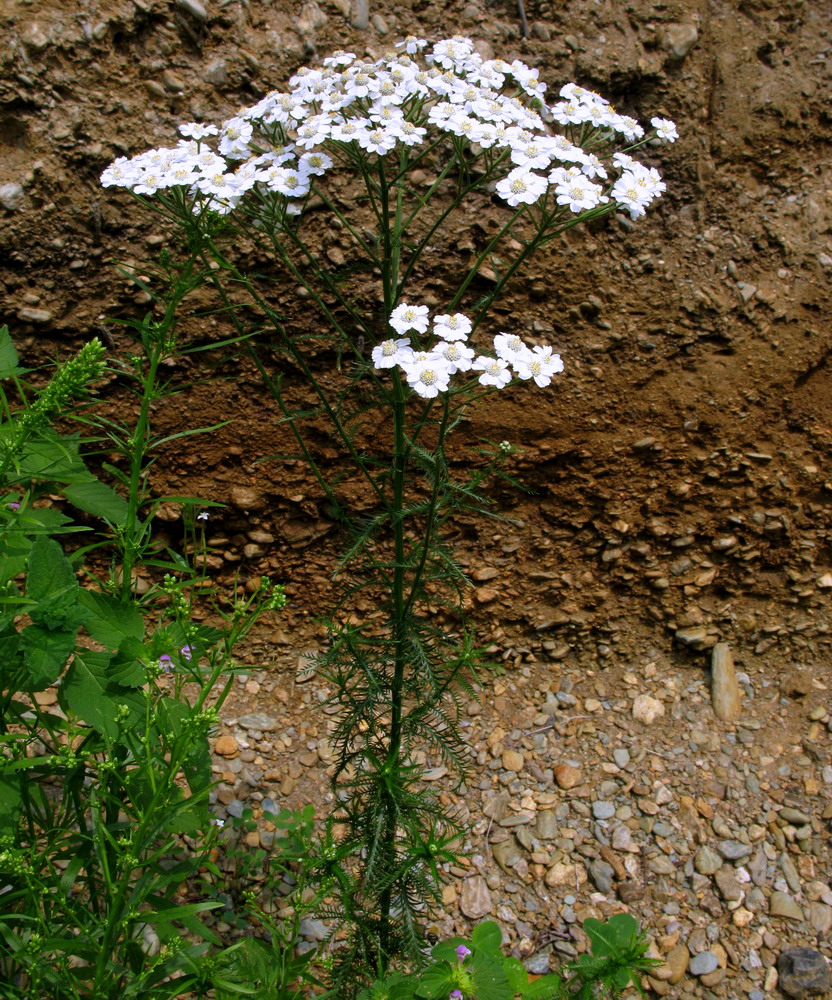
[(11, 196), (725, 692), (781, 904), (706, 861), (538, 964), (313, 930), (621, 757), (235, 808), (194, 8), (601, 874), (703, 963), (259, 721), (36, 316), (507, 854), (729, 887), (803, 972), (546, 826), (603, 810), (733, 850)]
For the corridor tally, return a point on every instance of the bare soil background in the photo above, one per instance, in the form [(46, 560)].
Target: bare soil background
[(678, 473)]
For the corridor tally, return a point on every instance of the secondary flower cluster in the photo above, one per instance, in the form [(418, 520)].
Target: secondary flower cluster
[(351, 108), (428, 372)]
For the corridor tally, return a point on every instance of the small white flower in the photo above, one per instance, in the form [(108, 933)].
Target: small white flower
[(539, 364), (458, 357), (390, 353), (456, 327), (495, 371), (509, 347), (665, 129), (521, 187), (428, 375), (406, 317), (195, 130)]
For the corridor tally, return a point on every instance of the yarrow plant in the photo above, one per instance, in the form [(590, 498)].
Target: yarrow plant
[(379, 162)]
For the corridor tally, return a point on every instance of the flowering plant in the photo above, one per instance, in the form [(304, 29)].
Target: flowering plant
[(367, 167)]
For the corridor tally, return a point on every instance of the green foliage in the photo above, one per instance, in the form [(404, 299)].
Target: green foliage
[(478, 969), (107, 841)]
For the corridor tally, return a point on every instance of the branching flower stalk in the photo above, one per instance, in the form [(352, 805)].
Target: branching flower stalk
[(417, 137)]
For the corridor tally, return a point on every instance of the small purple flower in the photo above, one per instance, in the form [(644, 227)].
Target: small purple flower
[(456, 994), (462, 952), (13, 506), (187, 652), (202, 515), (165, 663)]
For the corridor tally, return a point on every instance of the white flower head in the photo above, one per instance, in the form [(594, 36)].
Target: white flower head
[(521, 186), (390, 353), (509, 347), (406, 317), (539, 364), (455, 327), (495, 371), (196, 130), (428, 374), (665, 129)]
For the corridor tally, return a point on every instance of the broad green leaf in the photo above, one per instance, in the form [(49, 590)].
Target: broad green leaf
[(490, 979), (128, 665), (447, 949), (111, 621), (518, 977), (436, 982), (543, 988), (51, 584), (45, 652), (487, 937), (98, 499), (613, 936), (8, 355), (88, 691), (10, 800)]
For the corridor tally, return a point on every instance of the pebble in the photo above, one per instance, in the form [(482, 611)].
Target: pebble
[(725, 692), (603, 810), (781, 904), (678, 39), (733, 850), (194, 8), (703, 963), (226, 746), (567, 776), (475, 898), (706, 861), (803, 972), (513, 760), (601, 874), (36, 316), (647, 709), (259, 721), (11, 196)]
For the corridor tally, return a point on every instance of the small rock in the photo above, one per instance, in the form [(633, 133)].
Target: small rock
[(781, 904), (194, 8), (567, 776), (601, 874), (226, 746), (546, 826), (621, 756), (603, 810), (475, 898), (36, 316), (803, 972), (703, 963), (647, 709), (11, 196), (258, 720), (313, 930), (796, 684), (678, 39), (725, 692), (216, 73), (513, 760), (677, 962), (706, 861), (733, 850), (729, 888)]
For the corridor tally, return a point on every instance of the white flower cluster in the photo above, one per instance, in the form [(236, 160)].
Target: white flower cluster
[(428, 372), (350, 105)]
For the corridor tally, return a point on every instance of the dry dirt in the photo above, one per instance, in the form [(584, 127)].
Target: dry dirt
[(678, 475)]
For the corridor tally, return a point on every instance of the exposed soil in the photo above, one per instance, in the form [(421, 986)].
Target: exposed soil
[(678, 475)]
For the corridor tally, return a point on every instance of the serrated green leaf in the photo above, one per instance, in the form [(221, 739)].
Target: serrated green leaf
[(98, 499), (45, 652), (490, 979), (436, 982), (8, 355), (612, 936), (88, 692), (111, 621)]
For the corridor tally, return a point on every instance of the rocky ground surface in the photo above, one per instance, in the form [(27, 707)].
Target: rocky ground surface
[(678, 515)]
